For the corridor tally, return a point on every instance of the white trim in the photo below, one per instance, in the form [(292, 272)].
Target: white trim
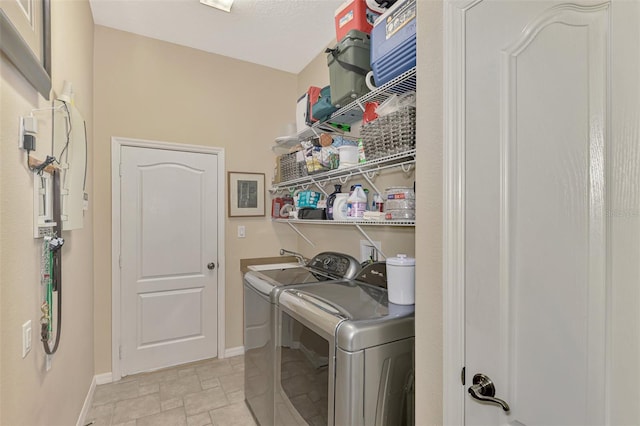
[(231, 352), (104, 378), (87, 403), (115, 258), (453, 240), (116, 145)]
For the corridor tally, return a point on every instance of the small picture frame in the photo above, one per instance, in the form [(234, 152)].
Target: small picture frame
[(246, 194)]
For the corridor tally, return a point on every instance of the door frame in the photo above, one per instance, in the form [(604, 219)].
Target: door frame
[(453, 238), (117, 143)]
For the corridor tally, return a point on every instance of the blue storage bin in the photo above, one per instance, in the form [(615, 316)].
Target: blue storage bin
[(393, 42)]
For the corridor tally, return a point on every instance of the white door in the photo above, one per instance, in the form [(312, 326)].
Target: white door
[(552, 224), (168, 243)]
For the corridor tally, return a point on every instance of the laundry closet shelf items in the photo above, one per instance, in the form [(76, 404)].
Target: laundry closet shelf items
[(405, 160)]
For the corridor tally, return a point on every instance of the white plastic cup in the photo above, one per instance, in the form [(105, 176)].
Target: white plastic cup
[(401, 279)]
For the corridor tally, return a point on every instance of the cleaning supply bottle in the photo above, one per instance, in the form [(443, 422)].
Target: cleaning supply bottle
[(349, 200), (358, 201), (330, 200), (378, 203)]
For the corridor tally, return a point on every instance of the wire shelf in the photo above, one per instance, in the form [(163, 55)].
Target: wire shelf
[(402, 159), (350, 222), (352, 112)]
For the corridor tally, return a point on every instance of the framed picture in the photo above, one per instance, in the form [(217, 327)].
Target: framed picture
[(25, 31), (246, 194)]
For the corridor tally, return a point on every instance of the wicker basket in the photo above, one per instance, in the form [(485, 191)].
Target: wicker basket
[(391, 134)]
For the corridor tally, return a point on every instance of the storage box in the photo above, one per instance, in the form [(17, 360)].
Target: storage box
[(349, 62), (322, 109), (301, 113), (393, 42), (354, 15), (312, 98)]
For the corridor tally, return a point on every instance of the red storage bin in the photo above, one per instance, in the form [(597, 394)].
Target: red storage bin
[(354, 15)]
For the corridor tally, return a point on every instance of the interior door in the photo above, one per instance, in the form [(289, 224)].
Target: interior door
[(168, 257), (552, 212)]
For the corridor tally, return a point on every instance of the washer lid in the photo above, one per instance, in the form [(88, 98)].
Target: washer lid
[(362, 314), (266, 281)]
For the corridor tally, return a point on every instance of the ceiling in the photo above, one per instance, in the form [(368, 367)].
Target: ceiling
[(281, 34)]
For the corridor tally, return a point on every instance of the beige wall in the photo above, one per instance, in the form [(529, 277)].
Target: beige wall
[(429, 215), (316, 73), (153, 90), (28, 394)]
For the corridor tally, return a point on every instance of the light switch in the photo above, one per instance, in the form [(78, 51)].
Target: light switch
[(241, 231)]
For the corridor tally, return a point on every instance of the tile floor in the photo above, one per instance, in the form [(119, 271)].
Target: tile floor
[(209, 392)]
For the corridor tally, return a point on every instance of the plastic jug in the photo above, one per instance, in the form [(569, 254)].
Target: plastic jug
[(358, 202)]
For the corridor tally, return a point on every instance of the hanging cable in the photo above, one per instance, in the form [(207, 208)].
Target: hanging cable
[(69, 130), (55, 273)]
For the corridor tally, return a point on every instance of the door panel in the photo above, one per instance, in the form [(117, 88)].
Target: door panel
[(162, 201), (541, 260), (185, 308), (168, 236)]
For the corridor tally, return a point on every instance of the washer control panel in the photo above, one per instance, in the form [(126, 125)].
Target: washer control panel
[(339, 265)]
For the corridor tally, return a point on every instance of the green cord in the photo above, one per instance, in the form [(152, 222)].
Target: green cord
[(50, 289)]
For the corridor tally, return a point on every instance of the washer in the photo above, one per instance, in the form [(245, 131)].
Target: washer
[(261, 289), (344, 356)]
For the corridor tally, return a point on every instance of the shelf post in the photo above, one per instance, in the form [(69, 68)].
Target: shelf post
[(370, 240), (320, 187), (304, 237), (366, 177)]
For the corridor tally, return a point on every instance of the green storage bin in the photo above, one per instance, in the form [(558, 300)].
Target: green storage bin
[(349, 62)]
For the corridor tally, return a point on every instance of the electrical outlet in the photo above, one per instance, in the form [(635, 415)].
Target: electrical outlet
[(27, 133), (26, 338), (241, 231), (368, 252)]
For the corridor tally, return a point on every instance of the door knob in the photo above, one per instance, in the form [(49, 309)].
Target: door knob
[(211, 266), (484, 390)]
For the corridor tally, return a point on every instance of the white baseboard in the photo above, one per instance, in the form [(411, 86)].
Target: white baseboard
[(231, 352), (87, 403), (103, 378), (99, 379)]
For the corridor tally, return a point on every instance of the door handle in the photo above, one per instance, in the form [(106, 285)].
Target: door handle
[(211, 266), (484, 390)]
